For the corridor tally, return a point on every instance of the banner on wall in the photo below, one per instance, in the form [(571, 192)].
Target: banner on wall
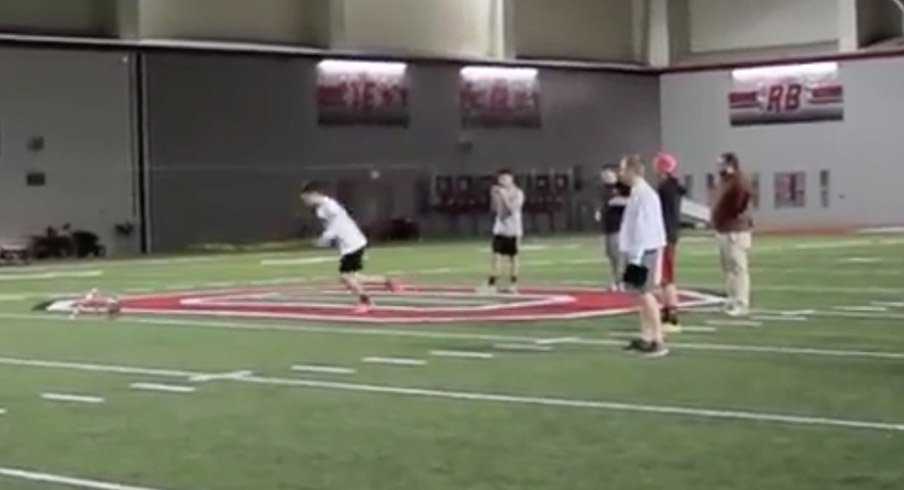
[(362, 93), (495, 97), (786, 94)]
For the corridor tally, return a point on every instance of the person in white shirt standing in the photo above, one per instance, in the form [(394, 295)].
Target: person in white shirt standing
[(507, 200), (642, 240), (341, 231)]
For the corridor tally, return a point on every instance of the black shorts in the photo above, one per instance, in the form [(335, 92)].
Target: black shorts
[(352, 262), (505, 245)]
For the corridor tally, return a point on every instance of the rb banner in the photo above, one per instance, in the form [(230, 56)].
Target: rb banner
[(786, 94)]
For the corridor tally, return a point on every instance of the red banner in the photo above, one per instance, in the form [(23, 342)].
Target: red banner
[(786, 94), (358, 92), (493, 97)]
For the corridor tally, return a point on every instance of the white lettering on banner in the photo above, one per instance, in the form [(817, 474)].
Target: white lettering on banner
[(786, 94), (358, 92), (500, 97)]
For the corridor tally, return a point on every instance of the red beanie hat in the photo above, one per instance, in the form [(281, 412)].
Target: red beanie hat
[(666, 163)]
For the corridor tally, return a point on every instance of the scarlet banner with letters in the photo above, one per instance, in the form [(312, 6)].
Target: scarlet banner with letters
[(362, 93), (494, 97), (786, 94)]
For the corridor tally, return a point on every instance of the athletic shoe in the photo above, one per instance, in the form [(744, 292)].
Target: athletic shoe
[(671, 327), (637, 344), (394, 286), (486, 289), (654, 350), (509, 290), (363, 308), (737, 312)]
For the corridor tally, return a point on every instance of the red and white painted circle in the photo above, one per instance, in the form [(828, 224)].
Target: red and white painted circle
[(434, 304)]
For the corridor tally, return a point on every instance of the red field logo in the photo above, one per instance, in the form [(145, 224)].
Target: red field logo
[(435, 304)]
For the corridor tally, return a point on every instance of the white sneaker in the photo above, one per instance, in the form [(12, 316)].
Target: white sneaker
[(486, 289), (737, 312), (509, 290)]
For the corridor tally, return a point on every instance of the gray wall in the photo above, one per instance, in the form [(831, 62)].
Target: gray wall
[(231, 138), (864, 153), (80, 102)]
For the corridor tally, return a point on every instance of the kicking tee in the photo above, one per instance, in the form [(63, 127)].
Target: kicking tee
[(339, 227)]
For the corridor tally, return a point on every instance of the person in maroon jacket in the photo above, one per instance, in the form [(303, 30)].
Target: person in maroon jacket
[(731, 218)]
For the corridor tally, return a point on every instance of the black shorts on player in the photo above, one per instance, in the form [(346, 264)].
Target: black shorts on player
[(505, 245), (352, 262)]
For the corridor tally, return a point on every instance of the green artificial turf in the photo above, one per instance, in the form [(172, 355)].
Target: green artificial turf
[(235, 435)]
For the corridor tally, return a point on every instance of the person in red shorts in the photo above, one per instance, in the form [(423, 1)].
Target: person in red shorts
[(671, 192)]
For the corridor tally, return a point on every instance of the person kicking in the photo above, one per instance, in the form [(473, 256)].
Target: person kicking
[(671, 192), (341, 231), (642, 239), (507, 200)]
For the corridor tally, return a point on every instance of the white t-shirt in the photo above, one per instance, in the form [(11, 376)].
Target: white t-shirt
[(339, 226), (508, 219), (643, 228)]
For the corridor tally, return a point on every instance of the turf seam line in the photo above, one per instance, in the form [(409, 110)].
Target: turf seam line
[(72, 398)]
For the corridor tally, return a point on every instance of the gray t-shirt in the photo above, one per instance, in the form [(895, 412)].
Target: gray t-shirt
[(508, 216)]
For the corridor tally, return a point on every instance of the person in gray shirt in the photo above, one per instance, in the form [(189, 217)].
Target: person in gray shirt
[(507, 200)]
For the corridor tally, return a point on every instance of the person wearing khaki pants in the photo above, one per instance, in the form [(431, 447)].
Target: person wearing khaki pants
[(733, 250), (733, 224)]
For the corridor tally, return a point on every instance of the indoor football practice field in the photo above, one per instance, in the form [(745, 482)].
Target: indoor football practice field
[(249, 372)]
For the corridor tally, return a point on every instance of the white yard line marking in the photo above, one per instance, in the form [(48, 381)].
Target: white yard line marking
[(831, 245), (68, 481), (860, 260), (557, 340), (862, 309), (889, 304), (779, 318), (440, 335), (298, 261), (49, 275), (484, 397), (394, 361), (321, 369), (165, 388), (534, 347), (457, 354), (217, 377), (734, 323), (65, 397)]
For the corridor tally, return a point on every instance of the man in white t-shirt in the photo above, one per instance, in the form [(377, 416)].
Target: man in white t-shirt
[(642, 239), (507, 200), (341, 231)]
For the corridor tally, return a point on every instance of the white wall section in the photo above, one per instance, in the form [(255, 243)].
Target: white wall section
[(575, 29), (725, 25), (447, 28)]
